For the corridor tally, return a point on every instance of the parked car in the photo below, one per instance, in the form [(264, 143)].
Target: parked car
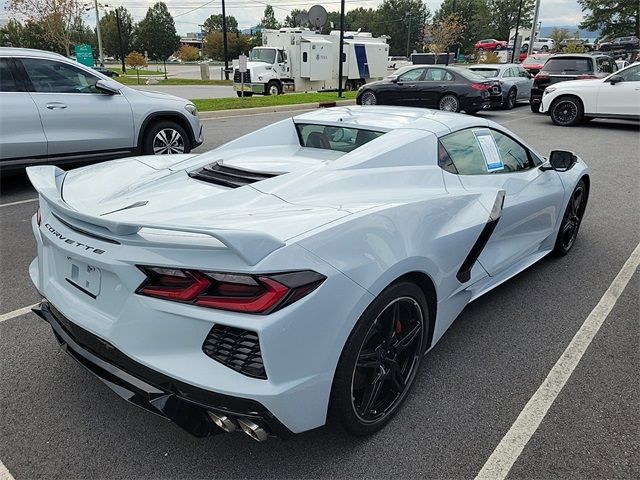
[(565, 67), (515, 81), (621, 43), (616, 96), (55, 110), (534, 63), (622, 64), (313, 262), (490, 44), (445, 88), (106, 71), (587, 46), (539, 45), (397, 62)]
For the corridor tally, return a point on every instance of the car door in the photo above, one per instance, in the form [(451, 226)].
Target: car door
[(486, 158), (77, 118), (435, 82), (405, 91), (524, 82), (620, 98), (22, 137)]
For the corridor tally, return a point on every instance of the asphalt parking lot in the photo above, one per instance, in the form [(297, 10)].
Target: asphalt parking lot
[(58, 421)]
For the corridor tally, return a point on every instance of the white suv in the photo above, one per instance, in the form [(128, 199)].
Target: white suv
[(539, 45), (616, 96), (55, 110)]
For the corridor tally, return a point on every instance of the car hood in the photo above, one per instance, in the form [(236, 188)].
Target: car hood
[(160, 95), (570, 84)]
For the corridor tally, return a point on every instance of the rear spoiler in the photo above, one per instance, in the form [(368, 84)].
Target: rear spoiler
[(249, 245)]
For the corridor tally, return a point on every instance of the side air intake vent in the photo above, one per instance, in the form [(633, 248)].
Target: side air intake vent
[(237, 349), (228, 176)]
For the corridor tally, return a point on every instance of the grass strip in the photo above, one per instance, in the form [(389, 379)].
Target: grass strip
[(212, 104)]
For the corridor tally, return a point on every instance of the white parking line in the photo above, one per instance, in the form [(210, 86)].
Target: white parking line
[(510, 447), (16, 313), (18, 203), (4, 473)]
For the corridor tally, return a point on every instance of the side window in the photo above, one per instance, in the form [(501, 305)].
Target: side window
[(7, 82), (280, 56), (412, 75), (482, 151), (604, 65), (50, 76), (438, 75), (631, 74), (523, 73)]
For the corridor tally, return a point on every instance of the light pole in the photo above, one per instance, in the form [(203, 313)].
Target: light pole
[(224, 42), (201, 42), (100, 54), (341, 49), (515, 36), (408, 16), (535, 24)]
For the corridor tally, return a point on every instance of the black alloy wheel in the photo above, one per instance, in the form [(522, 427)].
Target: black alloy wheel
[(511, 100), (572, 219), (368, 98), (379, 363), (566, 112)]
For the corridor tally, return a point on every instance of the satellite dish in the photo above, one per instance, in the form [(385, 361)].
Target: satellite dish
[(317, 16), (302, 19)]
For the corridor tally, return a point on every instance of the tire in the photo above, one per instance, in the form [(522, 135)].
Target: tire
[(160, 139), (368, 97), (246, 94), (566, 111), (349, 86), (511, 100), (535, 107), (449, 103), (544, 48), (571, 220), (369, 369), (273, 88)]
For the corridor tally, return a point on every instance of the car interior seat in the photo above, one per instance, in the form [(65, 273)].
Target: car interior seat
[(318, 140)]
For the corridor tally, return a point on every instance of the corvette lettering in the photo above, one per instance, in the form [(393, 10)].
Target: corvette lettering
[(70, 241)]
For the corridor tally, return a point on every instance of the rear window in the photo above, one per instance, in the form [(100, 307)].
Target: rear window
[(534, 59), (468, 74), (486, 72), (339, 139), (568, 65)]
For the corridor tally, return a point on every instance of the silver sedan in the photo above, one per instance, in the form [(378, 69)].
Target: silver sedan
[(515, 80)]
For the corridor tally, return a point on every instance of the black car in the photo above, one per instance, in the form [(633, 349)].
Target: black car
[(621, 43), (445, 88), (106, 71), (563, 67)]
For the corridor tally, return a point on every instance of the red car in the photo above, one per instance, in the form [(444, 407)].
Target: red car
[(534, 63), (490, 44)]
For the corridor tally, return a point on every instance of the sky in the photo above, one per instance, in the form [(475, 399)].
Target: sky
[(189, 13)]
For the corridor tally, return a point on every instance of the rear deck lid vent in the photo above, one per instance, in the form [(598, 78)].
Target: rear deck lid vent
[(228, 176)]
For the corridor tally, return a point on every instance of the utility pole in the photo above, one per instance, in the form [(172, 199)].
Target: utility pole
[(535, 25), (224, 42), (120, 40), (201, 42), (100, 54), (515, 36), (408, 15), (341, 49)]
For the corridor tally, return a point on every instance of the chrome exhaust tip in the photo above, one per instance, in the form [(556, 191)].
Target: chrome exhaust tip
[(224, 422), (251, 428)]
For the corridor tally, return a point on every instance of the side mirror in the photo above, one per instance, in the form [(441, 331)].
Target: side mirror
[(394, 80), (562, 160), (104, 86), (615, 79)]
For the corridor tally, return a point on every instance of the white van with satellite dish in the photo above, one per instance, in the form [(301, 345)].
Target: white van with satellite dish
[(300, 60)]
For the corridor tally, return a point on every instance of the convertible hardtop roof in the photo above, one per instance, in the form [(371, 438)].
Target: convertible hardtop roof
[(385, 119)]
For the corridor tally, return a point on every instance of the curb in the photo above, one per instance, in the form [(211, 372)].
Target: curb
[(276, 108)]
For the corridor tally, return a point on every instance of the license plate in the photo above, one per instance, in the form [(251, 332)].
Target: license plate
[(84, 277)]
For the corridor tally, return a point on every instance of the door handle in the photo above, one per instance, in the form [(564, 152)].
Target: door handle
[(56, 106)]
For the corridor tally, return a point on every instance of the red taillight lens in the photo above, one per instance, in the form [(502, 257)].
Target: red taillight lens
[(542, 76), (38, 216), (480, 86), (229, 291)]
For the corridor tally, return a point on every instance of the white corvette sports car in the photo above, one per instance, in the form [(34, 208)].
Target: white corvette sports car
[(300, 271)]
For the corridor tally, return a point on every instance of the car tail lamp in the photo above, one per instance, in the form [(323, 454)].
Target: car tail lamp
[(480, 86), (542, 76), (237, 292)]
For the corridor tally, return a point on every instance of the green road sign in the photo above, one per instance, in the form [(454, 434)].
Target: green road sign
[(84, 55)]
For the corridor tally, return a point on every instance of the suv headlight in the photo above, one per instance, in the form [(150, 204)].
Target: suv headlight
[(191, 108), (549, 90)]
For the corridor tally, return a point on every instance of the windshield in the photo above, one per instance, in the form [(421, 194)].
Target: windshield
[(338, 139), (267, 55), (568, 65), (486, 72)]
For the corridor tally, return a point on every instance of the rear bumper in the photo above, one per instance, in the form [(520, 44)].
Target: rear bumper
[(184, 404)]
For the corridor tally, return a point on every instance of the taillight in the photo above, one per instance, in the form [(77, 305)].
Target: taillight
[(480, 86), (542, 76), (237, 292), (38, 216)]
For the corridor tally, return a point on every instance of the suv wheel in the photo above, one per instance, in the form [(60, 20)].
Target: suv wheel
[(165, 137), (566, 111)]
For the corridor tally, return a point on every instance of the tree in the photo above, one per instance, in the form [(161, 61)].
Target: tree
[(403, 21), (187, 53), (365, 18), (59, 19), (269, 18), (12, 34), (444, 33), (475, 17), (615, 18), (236, 44), (136, 60), (214, 24), (290, 20), (109, 30), (558, 35), (504, 14), (156, 33)]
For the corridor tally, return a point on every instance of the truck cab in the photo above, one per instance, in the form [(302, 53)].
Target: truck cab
[(267, 72)]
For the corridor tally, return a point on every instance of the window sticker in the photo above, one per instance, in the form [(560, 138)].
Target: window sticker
[(489, 150)]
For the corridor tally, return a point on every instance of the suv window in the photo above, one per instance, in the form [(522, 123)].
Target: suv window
[(7, 82), (631, 74), (559, 65), (412, 75), (482, 151), (604, 65), (50, 76)]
